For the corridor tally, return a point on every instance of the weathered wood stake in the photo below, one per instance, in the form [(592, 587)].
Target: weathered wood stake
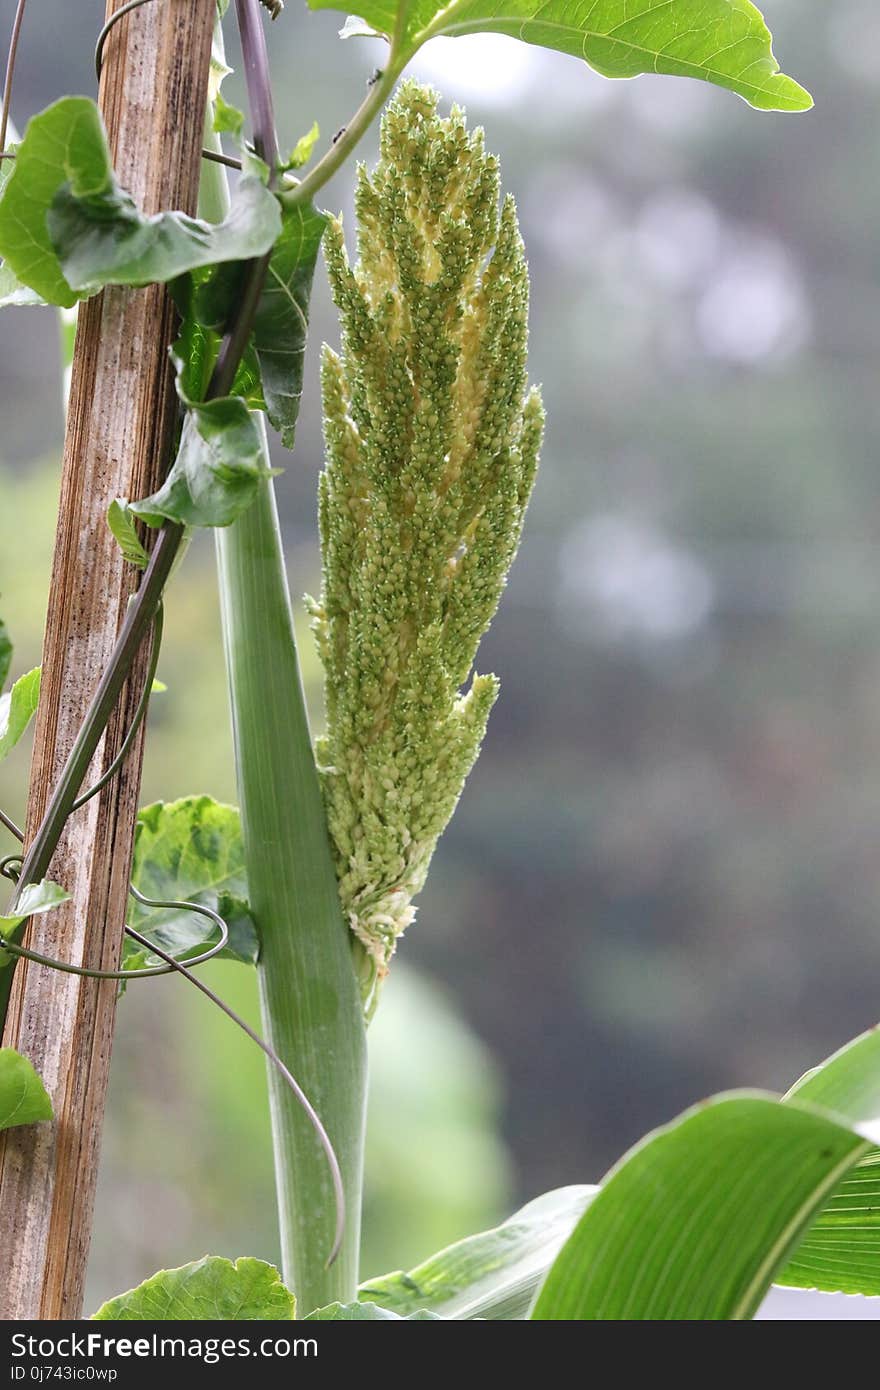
[(121, 416)]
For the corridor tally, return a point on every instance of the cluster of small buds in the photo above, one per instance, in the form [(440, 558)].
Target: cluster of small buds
[(432, 443)]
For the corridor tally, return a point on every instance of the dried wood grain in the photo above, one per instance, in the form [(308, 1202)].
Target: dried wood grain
[(120, 421)]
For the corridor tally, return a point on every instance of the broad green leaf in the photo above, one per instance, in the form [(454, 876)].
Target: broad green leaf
[(721, 41), (366, 1312), (282, 319), (12, 292), (123, 528), (190, 850), (103, 239), (17, 708), (67, 228), (59, 138), (5, 653), (841, 1251), (221, 458), (34, 898), (220, 464), (209, 1290), (490, 1275), (696, 1221), (23, 1097)]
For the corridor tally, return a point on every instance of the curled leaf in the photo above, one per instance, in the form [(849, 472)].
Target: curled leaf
[(123, 528), (219, 466), (67, 228), (282, 320)]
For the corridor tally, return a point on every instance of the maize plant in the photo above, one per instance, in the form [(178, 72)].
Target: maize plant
[(191, 292)]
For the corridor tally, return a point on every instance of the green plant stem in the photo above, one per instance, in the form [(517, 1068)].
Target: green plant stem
[(339, 152), (309, 993), (310, 999)]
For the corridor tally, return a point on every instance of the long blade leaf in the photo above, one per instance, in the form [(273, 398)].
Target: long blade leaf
[(490, 1275)]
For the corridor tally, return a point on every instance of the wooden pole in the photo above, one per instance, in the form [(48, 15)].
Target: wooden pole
[(120, 420)]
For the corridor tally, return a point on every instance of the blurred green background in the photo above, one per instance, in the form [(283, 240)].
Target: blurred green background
[(664, 877)]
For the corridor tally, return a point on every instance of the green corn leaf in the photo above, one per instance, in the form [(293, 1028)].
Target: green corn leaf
[(841, 1251), (725, 42), (308, 987), (23, 1097), (490, 1275), (758, 1172), (17, 708), (67, 228), (120, 523), (366, 1312), (5, 653), (848, 1082), (282, 319), (209, 1290), (190, 850), (696, 1221), (219, 69)]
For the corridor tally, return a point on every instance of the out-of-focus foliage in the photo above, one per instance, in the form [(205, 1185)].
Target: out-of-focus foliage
[(664, 878)]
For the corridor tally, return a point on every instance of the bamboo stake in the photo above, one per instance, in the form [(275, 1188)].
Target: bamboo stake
[(120, 419)]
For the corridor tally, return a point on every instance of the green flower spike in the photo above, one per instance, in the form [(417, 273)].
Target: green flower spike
[(431, 448)]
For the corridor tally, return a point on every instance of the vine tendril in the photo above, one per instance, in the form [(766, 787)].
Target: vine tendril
[(215, 155), (10, 71), (137, 717)]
